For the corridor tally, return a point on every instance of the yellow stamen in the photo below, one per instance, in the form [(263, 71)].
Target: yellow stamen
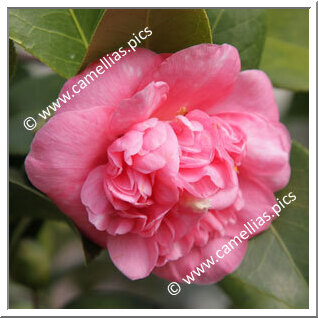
[(182, 111), (236, 169)]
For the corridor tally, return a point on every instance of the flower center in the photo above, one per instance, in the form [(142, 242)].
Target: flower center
[(182, 111)]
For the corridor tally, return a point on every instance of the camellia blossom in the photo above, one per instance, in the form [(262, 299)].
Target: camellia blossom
[(164, 158)]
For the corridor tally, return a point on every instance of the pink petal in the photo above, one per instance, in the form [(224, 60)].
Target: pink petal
[(197, 76), (149, 162), (130, 144), (252, 93), (268, 147), (179, 269), (182, 219), (165, 55), (138, 107), (217, 184), (258, 198), (155, 137), (165, 237), (115, 84), (164, 158), (178, 249), (120, 226), (133, 255), (63, 152), (165, 191), (94, 198)]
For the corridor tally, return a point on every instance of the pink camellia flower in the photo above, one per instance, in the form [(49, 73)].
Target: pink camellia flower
[(164, 157)]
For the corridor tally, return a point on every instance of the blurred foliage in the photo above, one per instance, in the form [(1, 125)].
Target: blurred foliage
[(286, 53), (12, 59), (31, 264), (110, 300), (48, 268), (299, 105), (296, 118)]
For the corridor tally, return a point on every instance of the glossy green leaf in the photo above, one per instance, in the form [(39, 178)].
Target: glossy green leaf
[(12, 59), (286, 55), (172, 30), (25, 201), (19, 138), (32, 94), (243, 28), (274, 272), (57, 37), (293, 226), (28, 97), (110, 300)]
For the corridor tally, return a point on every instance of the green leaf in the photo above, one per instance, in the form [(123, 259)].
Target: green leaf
[(12, 59), (172, 30), (26, 201), (57, 37), (110, 300), (33, 94), (286, 55), (243, 28), (28, 97), (274, 272), (19, 138), (294, 226)]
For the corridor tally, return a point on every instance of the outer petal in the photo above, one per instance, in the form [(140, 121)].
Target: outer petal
[(258, 198), (197, 77), (62, 154), (139, 107), (117, 83), (268, 147), (179, 269), (134, 255), (252, 93)]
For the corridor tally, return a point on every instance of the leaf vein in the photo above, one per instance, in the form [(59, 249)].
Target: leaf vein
[(79, 28), (284, 247), (33, 27)]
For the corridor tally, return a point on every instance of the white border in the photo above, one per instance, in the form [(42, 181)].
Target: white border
[(312, 165)]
